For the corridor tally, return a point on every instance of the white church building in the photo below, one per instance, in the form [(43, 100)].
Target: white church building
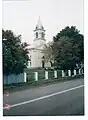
[(36, 50)]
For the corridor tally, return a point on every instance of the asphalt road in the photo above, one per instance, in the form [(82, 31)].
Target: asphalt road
[(65, 98)]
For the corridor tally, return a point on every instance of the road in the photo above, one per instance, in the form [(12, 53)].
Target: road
[(65, 98)]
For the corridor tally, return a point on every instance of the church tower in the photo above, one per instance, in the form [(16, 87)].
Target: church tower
[(39, 34), (37, 58)]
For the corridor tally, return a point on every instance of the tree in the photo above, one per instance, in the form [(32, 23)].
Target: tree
[(48, 53), (67, 48), (75, 37), (15, 53), (67, 54)]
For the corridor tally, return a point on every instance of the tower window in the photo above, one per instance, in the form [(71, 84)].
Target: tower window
[(36, 34), (43, 57), (42, 35)]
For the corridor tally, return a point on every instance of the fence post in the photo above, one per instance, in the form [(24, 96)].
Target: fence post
[(69, 72), (55, 74), (79, 71), (82, 71), (74, 72), (63, 74), (46, 74), (36, 76), (25, 77)]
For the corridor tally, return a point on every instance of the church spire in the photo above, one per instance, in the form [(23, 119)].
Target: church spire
[(39, 24)]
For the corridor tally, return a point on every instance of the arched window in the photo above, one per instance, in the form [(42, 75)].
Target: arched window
[(42, 35), (36, 34), (43, 57), (43, 62)]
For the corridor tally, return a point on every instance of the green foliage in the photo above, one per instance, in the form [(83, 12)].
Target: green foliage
[(15, 53), (49, 53), (67, 48)]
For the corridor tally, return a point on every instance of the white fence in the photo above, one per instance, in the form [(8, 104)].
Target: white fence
[(14, 78), (23, 76)]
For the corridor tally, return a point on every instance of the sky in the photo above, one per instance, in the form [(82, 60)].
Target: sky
[(21, 16)]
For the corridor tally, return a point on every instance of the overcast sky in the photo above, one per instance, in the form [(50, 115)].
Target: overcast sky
[(21, 16)]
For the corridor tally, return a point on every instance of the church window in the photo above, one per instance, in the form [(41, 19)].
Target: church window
[(43, 57), (42, 35), (36, 34)]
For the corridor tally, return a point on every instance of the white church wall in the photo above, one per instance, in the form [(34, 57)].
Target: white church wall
[(38, 43), (36, 56), (36, 59)]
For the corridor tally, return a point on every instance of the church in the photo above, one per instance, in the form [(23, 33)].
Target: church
[(36, 50)]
